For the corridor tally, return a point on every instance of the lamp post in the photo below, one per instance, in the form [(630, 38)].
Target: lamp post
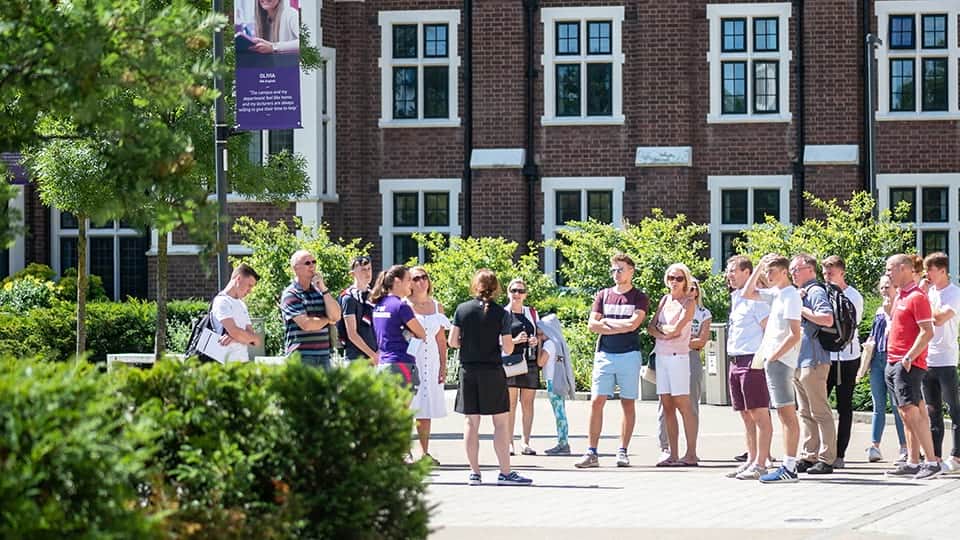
[(221, 132), (872, 42)]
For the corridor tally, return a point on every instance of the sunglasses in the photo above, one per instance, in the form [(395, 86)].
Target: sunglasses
[(420, 278), (676, 278), (518, 291), (360, 261), (309, 263)]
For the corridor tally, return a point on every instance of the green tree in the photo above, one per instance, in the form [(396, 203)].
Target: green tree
[(69, 175), (847, 229)]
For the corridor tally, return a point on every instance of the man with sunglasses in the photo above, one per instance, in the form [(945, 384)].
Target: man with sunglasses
[(356, 327), (308, 310), (616, 316)]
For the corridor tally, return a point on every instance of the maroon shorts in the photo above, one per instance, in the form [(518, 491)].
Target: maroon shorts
[(748, 387)]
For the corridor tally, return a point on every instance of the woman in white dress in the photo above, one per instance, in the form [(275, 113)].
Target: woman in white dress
[(431, 357)]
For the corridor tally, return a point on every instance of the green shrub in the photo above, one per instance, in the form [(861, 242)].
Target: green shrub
[(351, 431), (21, 295), (39, 271), (68, 455), (68, 287)]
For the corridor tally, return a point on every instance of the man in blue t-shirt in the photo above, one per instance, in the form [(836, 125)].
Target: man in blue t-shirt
[(616, 316)]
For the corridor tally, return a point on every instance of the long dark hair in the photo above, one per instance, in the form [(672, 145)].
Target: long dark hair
[(485, 287), (386, 280)]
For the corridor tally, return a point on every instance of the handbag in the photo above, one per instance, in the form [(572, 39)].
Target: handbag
[(514, 365)]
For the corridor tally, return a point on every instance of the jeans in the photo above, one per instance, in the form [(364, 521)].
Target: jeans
[(843, 377), (939, 387), (559, 413), (878, 392)]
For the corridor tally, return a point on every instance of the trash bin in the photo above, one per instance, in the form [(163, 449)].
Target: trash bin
[(717, 389), (259, 327)]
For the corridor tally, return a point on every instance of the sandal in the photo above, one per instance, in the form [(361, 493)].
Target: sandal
[(682, 463), (667, 462)]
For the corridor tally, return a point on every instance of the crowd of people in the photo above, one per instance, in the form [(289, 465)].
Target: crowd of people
[(787, 346)]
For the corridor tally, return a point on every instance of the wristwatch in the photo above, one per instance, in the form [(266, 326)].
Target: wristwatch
[(274, 45), (324, 292)]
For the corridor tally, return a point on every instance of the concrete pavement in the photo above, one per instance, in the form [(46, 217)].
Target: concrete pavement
[(642, 500)]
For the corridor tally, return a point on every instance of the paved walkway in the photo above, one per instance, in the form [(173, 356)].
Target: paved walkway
[(564, 502)]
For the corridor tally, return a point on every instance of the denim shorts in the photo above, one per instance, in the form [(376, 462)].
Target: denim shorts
[(616, 369)]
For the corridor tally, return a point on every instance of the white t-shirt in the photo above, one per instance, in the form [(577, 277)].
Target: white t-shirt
[(744, 332), (785, 306), (701, 315), (942, 350), (550, 348), (228, 307), (852, 350)]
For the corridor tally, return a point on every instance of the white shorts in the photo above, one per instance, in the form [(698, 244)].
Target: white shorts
[(673, 374)]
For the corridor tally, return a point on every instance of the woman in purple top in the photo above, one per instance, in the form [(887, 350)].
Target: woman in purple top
[(392, 319)]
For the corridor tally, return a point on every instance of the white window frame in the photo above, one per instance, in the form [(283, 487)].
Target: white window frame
[(116, 232), (715, 56), (549, 17), (951, 181), (388, 187), (17, 253), (884, 54), (550, 186), (717, 184), (386, 62)]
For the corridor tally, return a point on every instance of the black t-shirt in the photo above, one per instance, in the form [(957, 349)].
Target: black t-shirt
[(354, 302), (480, 331), (520, 323)]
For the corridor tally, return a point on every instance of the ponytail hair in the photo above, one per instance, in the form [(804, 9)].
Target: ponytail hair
[(485, 287), (386, 280)]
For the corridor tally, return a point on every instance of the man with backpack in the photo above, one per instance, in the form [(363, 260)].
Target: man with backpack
[(844, 363), (819, 433), (355, 328)]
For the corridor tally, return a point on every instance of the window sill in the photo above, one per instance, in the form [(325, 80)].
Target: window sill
[(430, 123), (918, 116), (583, 121), (749, 118)]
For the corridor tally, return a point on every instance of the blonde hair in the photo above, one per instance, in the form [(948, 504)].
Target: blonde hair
[(687, 276), (695, 281), (426, 275)]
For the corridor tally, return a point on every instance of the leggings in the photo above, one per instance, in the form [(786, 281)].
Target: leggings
[(843, 377), (560, 413)]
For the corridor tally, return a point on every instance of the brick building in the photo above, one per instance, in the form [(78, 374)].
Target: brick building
[(511, 117)]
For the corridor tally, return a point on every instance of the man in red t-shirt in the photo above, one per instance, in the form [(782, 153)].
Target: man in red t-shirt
[(911, 328)]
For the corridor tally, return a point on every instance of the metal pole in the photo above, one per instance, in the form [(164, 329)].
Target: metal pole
[(871, 42), (220, 139)]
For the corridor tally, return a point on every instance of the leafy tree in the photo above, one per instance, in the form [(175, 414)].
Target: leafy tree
[(69, 175), (454, 261), (848, 230)]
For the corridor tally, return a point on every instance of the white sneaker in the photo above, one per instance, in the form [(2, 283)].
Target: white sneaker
[(753, 473), (951, 467), (736, 472), (874, 455), (622, 459)]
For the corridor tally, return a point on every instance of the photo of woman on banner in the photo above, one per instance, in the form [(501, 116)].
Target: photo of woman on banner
[(267, 26)]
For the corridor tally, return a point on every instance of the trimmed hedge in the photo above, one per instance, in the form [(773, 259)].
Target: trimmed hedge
[(50, 333), (185, 450)]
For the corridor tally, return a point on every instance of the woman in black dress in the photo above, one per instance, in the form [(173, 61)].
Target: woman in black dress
[(481, 330), (522, 329)]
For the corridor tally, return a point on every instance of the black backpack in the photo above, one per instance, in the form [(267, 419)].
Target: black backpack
[(197, 326), (835, 338)]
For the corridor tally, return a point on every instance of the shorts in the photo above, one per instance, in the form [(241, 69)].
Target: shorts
[(408, 373), (905, 387), (483, 390), (748, 387), (780, 384), (673, 374), (616, 369)]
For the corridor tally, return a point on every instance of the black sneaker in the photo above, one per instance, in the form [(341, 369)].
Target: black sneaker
[(803, 465), (820, 468), (928, 471), (741, 458), (904, 470)]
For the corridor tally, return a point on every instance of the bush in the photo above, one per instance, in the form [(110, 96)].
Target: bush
[(38, 271), (67, 455), (68, 287), (21, 295)]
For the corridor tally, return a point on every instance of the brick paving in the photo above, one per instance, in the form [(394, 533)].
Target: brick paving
[(564, 502)]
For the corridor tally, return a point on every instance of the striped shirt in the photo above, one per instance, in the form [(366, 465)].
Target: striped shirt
[(313, 346)]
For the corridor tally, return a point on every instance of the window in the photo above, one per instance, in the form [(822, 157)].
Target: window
[(749, 61), (738, 202), (917, 64), (419, 63), (12, 258), (577, 199), (115, 251), (416, 206), (583, 66), (934, 201)]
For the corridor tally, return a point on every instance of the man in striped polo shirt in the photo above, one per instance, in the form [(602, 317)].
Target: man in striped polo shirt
[(308, 310)]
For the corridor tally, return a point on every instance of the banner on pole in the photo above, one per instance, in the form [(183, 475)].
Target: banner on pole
[(267, 41)]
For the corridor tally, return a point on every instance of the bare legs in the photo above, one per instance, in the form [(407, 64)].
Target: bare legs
[(672, 404), (501, 441)]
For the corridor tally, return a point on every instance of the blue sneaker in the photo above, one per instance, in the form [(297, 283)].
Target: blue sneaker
[(783, 475), (513, 479)]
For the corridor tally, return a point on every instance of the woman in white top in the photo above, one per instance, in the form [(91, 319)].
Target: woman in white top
[(431, 357), (671, 328), (699, 335), (277, 27)]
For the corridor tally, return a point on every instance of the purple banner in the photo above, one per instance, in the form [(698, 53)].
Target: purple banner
[(267, 41), (15, 172)]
